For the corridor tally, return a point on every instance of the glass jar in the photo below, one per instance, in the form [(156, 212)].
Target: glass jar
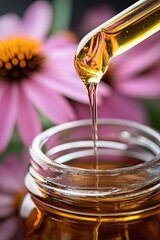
[(68, 199)]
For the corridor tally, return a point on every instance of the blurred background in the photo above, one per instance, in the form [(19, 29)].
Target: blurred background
[(78, 6), (130, 89)]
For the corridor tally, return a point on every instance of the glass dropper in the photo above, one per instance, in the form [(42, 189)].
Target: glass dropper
[(114, 37)]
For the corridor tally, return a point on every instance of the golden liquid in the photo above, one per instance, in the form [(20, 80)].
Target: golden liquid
[(56, 224), (92, 95), (95, 52), (69, 228)]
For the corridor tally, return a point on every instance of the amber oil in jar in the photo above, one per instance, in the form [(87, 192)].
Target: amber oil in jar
[(64, 201)]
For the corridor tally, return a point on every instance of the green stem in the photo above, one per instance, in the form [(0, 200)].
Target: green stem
[(62, 11)]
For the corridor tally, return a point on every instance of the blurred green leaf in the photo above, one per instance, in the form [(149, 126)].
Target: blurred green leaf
[(153, 108), (46, 123), (15, 146), (62, 12)]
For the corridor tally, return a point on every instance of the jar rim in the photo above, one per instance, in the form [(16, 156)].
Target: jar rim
[(41, 138)]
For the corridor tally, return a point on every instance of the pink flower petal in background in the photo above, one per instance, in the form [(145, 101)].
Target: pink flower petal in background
[(9, 25), (54, 106), (13, 164), (3, 89), (94, 16), (62, 54), (115, 106), (6, 205), (118, 106), (143, 56), (60, 39), (12, 172), (145, 86), (12, 183), (12, 190), (8, 228), (19, 164), (39, 16), (8, 114), (63, 87), (28, 123)]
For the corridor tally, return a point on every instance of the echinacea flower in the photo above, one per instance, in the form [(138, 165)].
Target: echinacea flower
[(12, 191), (36, 73), (131, 76)]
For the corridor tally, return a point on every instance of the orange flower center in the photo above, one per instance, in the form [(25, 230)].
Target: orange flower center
[(19, 57)]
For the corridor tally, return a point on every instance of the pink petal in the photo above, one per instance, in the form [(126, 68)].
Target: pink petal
[(23, 166), (8, 113), (3, 89), (8, 228), (10, 25), (145, 86), (95, 16), (13, 170), (67, 82), (136, 60), (61, 39), (60, 60), (54, 106), (65, 55), (6, 205), (38, 19), (82, 110), (117, 106), (59, 85), (10, 181), (28, 123)]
